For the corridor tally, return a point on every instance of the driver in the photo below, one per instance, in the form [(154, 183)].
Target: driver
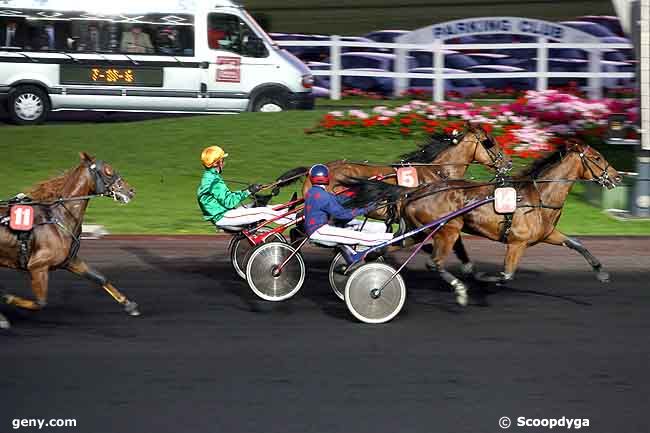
[(327, 220), (220, 205)]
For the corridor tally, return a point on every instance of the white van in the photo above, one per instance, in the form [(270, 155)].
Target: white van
[(142, 55)]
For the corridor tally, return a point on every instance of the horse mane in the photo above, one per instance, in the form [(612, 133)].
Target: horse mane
[(366, 191), (291, 176), (49, 189), (537, 167), (429, 150)]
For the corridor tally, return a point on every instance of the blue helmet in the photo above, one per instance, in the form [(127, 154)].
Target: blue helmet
[(319, 174)]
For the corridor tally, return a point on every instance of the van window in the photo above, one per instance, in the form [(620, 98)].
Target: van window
[(13, 32), (229, 33), (74, 32), (157, 34), (47, 35)]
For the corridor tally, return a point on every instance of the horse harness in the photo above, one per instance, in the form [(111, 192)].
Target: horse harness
[(103, 183)]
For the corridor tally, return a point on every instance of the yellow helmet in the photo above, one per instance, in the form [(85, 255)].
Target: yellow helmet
[(212, 155)]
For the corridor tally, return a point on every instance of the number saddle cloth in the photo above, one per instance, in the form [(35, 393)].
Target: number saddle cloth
[(21, 223)]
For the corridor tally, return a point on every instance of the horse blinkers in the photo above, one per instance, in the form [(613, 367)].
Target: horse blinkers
[(105, 178)]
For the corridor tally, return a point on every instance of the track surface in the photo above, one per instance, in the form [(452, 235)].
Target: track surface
[(206, 356)]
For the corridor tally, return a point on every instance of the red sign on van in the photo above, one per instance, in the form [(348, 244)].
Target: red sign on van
[(229, 69)]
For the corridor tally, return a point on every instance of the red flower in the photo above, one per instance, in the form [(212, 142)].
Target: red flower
[(432, 123), (387, 121), (406, 121), (369, 122), (405, 131), (487, 127)]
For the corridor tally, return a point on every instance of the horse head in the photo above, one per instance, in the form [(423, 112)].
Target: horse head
[(485, 149), (107, 181), (594, 165)]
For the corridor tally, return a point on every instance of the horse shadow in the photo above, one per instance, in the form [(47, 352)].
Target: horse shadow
[(211, 269)]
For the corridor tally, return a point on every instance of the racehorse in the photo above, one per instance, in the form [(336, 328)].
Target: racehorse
[(442, 157), (542, 189), (59, 206)]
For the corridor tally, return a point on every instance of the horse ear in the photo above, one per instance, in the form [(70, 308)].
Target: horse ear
[(85, 157), (573, 144)]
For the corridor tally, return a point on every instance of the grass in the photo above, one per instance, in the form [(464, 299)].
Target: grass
[(160, 158)]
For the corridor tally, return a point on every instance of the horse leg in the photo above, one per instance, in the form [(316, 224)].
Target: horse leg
[(514, 252), (4, 322), (467, 267), (79, 267), (40, 279), (559, 238), (443, 243)]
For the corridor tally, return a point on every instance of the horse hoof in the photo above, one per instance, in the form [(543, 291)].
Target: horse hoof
[(430, 265), (132, 309), (603, 276), (4, 323), (467, 269), (461, 299)]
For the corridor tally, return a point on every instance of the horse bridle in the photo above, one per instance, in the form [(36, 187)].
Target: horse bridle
[(496, 158), (604, 179), (105, 185)]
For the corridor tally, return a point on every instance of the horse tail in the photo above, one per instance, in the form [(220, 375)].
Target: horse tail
[(365, 191), (291, 176)]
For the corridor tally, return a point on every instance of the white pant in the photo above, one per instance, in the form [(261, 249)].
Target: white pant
[(374, 233), (242, 216)]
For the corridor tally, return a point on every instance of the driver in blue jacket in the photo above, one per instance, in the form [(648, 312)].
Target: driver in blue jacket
[(328, 221)]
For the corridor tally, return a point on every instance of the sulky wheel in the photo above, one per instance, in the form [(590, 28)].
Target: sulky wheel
[(364, 299), (263, 276), (338, 275), (240, 247)]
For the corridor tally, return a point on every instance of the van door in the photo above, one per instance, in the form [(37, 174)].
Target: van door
[(239, 62)]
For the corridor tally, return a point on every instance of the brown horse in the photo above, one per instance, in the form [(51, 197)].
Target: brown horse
[(541, 189), (443, 157), (59, 207)]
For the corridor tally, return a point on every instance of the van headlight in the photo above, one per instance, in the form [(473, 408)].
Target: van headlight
[(308, 81)]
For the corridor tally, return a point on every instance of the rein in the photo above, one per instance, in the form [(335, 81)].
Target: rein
[(53, 202)]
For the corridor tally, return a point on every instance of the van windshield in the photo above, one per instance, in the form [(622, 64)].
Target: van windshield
[(258, 29)]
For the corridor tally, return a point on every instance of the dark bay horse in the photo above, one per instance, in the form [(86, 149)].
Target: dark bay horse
[(442, 157), (541, 190), (59, 206)]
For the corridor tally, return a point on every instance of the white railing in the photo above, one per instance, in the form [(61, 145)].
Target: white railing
[(401, 75)]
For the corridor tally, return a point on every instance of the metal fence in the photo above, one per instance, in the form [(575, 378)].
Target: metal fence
[(401, 74)]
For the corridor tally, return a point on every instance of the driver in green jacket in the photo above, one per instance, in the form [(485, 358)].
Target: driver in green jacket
[(222, 206)]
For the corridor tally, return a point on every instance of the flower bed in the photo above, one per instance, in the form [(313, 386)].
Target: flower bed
[(528, 127)]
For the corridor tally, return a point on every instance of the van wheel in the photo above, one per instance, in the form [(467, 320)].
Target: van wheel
[(28, 105), (270, 103)]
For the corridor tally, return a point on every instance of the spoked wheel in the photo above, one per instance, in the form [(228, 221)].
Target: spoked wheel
[(240, 247), (364, 299), (339, 275), (264, 277)]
